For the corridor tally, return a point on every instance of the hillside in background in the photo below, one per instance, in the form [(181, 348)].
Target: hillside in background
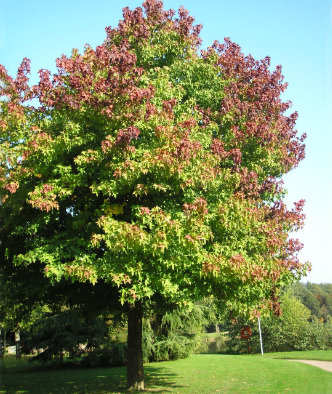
[(316, 297)]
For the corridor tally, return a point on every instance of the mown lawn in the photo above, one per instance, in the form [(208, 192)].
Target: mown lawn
[(323, 355), (205, 373)]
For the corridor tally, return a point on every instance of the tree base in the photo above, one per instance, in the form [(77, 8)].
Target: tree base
[(138, 386), (135, 371)]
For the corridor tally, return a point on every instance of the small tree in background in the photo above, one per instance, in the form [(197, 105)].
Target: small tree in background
[(290, 332), (296, 329), (152, 167)]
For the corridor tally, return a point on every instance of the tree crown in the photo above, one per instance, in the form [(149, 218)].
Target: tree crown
[(153, 166)]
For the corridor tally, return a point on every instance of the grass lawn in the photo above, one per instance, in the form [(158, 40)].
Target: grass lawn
[(323, 355), (215, 335), (205, 373)]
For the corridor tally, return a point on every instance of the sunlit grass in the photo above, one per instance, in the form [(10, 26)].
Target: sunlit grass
[(206, 373), (323, 355)]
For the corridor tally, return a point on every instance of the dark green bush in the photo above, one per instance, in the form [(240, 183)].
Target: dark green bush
[(112, 355), (64, 334), (174, 334)]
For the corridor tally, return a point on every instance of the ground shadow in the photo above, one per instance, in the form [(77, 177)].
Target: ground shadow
[(25, 377), (159, 379)]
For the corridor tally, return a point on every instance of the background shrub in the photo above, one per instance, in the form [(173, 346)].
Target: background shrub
[(296, 329)]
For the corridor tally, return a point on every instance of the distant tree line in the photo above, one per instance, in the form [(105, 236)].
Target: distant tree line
[(316, 297)]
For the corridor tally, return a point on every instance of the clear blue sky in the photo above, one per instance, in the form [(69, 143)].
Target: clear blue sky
[(295, 33)]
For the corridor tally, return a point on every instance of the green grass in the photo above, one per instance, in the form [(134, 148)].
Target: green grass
[(198, 374), (214, 335), (323, 355), (24, 377)]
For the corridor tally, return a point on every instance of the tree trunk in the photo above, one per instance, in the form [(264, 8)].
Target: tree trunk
[(135, 372)]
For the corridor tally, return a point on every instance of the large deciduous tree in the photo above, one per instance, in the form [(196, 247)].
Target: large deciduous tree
[(155, 167)]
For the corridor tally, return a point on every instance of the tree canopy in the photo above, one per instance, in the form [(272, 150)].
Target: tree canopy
[(153, 166)]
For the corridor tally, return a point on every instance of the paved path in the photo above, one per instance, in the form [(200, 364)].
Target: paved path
[(327, 365)]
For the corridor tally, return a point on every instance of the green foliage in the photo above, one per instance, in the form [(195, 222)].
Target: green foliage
[(169, 335), (111, 354), (175, 334), (290, 331), (294, 330), (152, 167), (21, 292), (320, 334), (65, 334), (316, 297)]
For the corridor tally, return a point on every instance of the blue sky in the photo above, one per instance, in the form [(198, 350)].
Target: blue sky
[(295, 33)]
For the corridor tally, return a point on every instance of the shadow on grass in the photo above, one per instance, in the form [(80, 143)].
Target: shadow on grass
[(159, 379), (24, 377)]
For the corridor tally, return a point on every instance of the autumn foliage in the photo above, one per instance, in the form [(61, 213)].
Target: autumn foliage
[(166, 159), (154, 166)]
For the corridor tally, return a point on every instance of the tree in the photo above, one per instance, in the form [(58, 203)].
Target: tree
[(308, 299), (73, 334), (316, 297), (29, 302), (155, 168), (174, 334), (289, 332)]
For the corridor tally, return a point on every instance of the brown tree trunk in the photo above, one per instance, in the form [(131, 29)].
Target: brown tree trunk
[(135, 372)]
